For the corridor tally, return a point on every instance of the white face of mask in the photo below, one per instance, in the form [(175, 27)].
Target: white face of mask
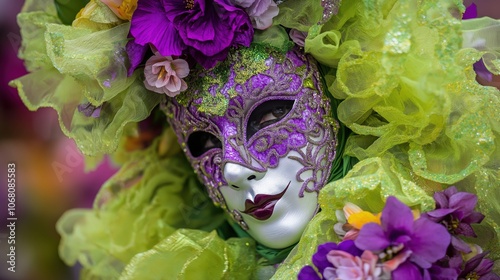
[(266, 158), (269, 201)]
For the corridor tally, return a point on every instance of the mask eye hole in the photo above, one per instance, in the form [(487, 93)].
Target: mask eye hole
[(200, 142), (267, 113)]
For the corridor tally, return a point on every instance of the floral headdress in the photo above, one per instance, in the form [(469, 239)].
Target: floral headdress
[(401, 71)]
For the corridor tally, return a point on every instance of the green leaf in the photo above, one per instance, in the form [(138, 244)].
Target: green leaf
[(67, 9)]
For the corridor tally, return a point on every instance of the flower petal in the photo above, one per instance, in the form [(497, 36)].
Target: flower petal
[(464, 202), (465, 230), (441, 200), (340, 258), (308, 273), (394, 263), (429, 242), (396, 216), (407, 270), (372, 237), (349, 247), (450, 191), (150, 25), (135, 53), (319, 258), (180, 67), (473, 218), (460, 245), (438, 214)]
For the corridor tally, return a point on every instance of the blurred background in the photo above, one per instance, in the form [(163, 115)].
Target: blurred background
[(35, 143), (50, 174)]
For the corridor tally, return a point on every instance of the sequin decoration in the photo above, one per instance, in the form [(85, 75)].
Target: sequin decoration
[(331, 7)]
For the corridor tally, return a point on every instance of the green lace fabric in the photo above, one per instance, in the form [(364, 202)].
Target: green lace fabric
[(153, 218), (81, 64)]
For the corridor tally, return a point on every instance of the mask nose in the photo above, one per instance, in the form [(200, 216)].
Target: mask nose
[(238, 176)]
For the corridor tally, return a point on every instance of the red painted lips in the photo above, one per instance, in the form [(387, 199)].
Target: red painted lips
[(263, 207)]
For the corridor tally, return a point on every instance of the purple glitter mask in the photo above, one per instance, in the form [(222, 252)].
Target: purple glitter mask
[(272, 108)]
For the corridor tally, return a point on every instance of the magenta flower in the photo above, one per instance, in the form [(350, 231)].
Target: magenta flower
[(417, 243), (205, 29), (165, 75), (455, 210), (261, 12), (470, 12)]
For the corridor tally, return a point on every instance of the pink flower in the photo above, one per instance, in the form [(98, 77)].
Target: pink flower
[(261, 12), (347, 266), (165, 75)]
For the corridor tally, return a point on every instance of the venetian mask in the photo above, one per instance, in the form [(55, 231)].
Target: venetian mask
[(257, 131)]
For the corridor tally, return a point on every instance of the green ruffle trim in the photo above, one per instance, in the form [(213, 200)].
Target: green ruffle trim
[(193, 254), (421, 122), (86, 65), (139, 210)]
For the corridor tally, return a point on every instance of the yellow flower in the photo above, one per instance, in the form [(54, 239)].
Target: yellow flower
[(359, 219), (122, 8)]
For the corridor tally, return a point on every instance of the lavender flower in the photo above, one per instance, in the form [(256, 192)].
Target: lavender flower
[(165, 75), (261, 12), (205, 29), (455, 210), (414, 245)]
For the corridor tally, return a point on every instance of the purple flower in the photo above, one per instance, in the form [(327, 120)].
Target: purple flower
[(479, 268), (320, 259), (420, 242), (455, 210), (205, 29)]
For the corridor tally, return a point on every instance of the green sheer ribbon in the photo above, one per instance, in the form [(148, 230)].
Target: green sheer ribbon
[(81, 65)]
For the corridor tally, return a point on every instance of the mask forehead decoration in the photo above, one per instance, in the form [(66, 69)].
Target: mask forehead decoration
[(252, 112)]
